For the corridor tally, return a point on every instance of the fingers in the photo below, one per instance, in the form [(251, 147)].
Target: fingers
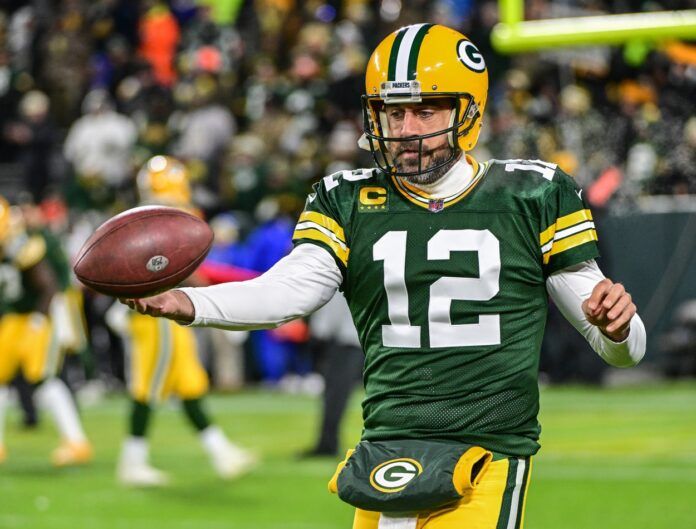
[(610, 308), (165, 305), (129, 302), (604, 297), (618, 307), (612, 296), (623, 320), (594, 302), (151, 306), (615, 307)]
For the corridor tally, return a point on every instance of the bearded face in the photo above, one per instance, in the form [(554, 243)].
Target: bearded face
[(432, 161), (426, 158)]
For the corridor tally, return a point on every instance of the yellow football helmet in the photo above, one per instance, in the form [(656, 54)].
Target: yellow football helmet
[(164, 180), (415, 63), (12, 224), (5, 219)]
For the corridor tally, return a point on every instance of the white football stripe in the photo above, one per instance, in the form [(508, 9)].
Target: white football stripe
[(567, 232), (514, 503), (405, 52), (313, 225), (388, 522)]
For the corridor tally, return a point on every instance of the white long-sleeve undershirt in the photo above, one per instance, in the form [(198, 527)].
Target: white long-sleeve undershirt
[(308, 277), (295, 286), (568, 288)]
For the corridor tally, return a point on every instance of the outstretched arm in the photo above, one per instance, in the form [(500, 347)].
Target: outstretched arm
[(601, 310), (297, 285)]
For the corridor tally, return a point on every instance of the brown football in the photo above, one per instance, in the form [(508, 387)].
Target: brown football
[(143, 251)]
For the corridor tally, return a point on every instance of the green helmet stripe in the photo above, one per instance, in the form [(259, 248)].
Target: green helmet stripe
[(391, 74), (415, 50)]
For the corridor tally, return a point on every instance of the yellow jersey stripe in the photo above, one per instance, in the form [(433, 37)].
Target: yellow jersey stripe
[(413, 189), (570, 242), (562, 234), (327, 222), (473, 163), (316, 235), (564, 222)]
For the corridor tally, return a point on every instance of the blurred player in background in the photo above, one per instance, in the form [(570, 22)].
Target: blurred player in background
[(164, 357), (341, 360), (67, 305), (447, 264), (29, 340)]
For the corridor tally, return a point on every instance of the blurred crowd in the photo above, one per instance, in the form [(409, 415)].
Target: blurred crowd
[(261, 98)]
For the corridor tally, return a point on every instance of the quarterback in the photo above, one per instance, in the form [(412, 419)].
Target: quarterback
[(447, 264)]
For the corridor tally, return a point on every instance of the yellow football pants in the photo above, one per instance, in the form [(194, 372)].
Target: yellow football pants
[(75, 309), (164, 361), (496, 503), (27, 342)]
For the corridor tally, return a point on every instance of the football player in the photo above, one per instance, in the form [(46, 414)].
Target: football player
[(28, 340), (164, 358), (447, 264)]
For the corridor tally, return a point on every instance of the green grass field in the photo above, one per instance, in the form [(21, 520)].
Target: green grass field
[(611, 459)]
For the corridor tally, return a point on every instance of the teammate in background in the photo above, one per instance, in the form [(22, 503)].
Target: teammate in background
[(164, 358), (67, 305), (66, 310), (447, 264), (28, 338)]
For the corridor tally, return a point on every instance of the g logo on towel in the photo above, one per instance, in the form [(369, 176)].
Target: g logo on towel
[(394, 475)]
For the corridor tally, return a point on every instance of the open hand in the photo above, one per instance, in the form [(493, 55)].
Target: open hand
[(610, 308), (174, 305)]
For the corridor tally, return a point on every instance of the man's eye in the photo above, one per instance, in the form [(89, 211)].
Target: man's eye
[(425, 114), (396, 114)]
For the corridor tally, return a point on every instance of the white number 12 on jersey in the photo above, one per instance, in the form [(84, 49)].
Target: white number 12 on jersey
[(391, 248)]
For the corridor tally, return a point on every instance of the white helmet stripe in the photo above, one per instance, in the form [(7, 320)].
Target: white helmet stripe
[(405, 52)]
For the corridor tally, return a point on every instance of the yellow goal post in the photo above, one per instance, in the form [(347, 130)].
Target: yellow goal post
[(513, 34)]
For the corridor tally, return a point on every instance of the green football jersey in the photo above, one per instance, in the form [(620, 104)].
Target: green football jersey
[(22, 252), (57, 258), (448, 296)]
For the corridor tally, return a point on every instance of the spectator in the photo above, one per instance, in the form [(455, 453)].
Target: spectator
[(35, 136), (159, 38), (205, 128), (99, 146)]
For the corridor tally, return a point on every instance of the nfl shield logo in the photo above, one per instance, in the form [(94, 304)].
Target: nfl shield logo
[(436, 205)]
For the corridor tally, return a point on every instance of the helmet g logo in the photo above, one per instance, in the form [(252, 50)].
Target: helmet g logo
[(470, 56), (393, 476)]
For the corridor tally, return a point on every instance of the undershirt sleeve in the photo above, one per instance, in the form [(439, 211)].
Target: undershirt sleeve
[(295, 286), (568, 288)]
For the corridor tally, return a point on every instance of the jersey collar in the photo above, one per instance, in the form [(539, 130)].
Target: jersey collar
[(457, 183)]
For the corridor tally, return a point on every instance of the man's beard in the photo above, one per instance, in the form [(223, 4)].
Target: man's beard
[(438, 156)]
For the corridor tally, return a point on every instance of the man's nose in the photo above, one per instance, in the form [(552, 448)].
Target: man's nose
[(410, 125)]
